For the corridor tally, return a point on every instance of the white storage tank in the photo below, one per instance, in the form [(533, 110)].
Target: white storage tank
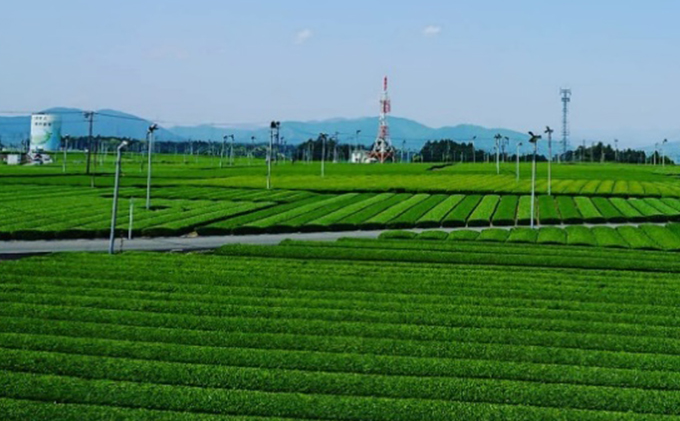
[(45, 133)]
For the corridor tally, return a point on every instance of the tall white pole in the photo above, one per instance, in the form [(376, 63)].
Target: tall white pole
[(132, 212), (252, 150), (323, 154), (498, 138), (63, 164), (114, 210), (656, 153), (533, 185), (224, 141), (152, 129), (274, 128), (231, 151), (550, 163), (534, 139), (518, 146), (474, 158)]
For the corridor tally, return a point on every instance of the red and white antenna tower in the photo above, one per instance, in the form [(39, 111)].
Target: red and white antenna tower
[(382, 149)]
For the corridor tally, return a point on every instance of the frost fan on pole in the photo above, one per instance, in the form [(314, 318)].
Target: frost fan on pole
[(382, 149)]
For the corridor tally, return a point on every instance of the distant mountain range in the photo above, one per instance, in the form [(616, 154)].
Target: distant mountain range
[(116, 123), (120, 124), (106, 123)]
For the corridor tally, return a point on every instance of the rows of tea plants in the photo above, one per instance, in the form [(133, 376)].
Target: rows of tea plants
[(353, 211), (41, 212), (643, 237), (353, 330), (89, 216), (211, 193), (460, 180)]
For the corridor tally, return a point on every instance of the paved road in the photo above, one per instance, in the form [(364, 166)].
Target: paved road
[(168, 244), (190, 243)]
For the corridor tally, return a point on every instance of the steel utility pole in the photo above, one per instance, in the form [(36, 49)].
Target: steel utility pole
[(519, 145), (534, 139), (549, 131), (323, 153), (114, 211), (474, 158), (616, 146), (583, 152), (89, 116), (231, 151), (498, 138), (356, 138), (273, 133), (506, 146), (149, 139), (656, 153), (592, 152), (252, 150), (224, 142), (663, 155), (63, 164)]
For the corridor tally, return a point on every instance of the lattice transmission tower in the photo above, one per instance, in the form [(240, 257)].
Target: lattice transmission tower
[(566, 99), (382, 149)]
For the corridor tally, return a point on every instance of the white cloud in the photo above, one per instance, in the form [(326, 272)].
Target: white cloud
[(302, 36), (431, 30)]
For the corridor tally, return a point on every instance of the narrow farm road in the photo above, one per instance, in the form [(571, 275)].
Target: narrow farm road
[(18, 248)]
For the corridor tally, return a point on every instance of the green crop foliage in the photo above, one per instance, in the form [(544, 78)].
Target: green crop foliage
[(433, 217), (453, 330), (524, 210), (637, 238), (608, 237), (568, 210), (664, 237), (459, 215), (670, 213), (649, 212), (397, 235), (551, 235), (547, 211), (588, 210), (329, 220), (627, 210), (506, 212), (409, 218), (433, 235), (393, 212), (580, 236), (356, 219), (608, 210), (482, 214), (463, 235), (523, 235), (494, 234)]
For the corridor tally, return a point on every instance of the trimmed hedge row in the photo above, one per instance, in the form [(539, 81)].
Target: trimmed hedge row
[(435, 216), (506, 212), (459, 215), (644, 237), (484, 211)]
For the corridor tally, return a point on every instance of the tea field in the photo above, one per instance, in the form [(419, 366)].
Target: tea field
[(353, 330), (477, 317), (642, 237), (194, 195), (38, 212)]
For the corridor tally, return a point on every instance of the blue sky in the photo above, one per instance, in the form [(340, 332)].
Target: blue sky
[(493, 63)]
